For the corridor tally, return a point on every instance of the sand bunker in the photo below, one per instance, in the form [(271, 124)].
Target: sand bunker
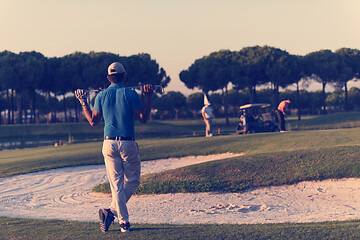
[(65, 194)]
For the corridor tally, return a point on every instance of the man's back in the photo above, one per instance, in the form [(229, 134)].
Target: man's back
[(117, 105)]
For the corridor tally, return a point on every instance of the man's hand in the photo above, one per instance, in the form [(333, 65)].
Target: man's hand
[(81, 95), (143, 114), (147, 89)]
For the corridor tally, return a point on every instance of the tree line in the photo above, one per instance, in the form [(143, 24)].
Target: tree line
[(32, 85), (174, 105), (252, 67)]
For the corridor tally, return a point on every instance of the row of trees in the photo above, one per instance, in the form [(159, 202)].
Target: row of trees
[(32, 84), (252, 67), (29, 79), (174, 105)]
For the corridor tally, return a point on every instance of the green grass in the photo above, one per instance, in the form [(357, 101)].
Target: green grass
[(83, 131), (13, 228), (242, 173), (330, 121), (160, 129), (270, 159), (165, 129), (35, 159), (46, 131)]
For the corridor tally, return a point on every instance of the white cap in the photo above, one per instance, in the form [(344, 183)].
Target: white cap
[(115, 68), (206, 101)]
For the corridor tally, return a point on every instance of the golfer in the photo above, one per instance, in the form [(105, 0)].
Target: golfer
[(281, 113), (118, 106), (208, 116)]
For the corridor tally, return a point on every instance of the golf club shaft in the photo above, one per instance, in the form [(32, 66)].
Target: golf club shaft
[(139, 87)]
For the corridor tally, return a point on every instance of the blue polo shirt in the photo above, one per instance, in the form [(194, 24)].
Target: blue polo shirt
[(117, 104)]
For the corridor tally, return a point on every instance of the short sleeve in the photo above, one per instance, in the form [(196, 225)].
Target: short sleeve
[(135, 100), (97, 103)]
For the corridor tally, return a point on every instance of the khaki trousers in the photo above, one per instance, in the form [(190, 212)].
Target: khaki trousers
[(123, 167)]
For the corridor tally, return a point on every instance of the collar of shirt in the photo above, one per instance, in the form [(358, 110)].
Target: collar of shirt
[(116, 85)]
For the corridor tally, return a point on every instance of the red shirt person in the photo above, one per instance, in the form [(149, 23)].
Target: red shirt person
[(283, 106)]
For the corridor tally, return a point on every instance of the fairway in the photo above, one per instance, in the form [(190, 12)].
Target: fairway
[(36, 159)]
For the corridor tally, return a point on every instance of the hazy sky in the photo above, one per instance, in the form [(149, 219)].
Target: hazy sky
[(177, 32)]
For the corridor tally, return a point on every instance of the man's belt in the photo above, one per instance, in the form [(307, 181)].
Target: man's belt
[(119, 138)]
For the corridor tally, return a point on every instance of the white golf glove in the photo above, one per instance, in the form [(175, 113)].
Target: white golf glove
[(81, 95)]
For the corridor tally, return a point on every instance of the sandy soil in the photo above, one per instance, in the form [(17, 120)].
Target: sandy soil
[(65, 194)]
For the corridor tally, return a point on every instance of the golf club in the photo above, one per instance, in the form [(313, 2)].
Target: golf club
[(139, 87)]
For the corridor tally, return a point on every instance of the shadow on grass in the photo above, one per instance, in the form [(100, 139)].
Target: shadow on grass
[(141, 229), (16, 228)]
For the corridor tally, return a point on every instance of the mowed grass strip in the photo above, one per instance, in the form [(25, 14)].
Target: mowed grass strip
[(328, 121), (14, 228), (241, 173), (14, 162), (82, 130)]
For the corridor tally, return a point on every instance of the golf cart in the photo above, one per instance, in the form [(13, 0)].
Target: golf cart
[(256, 118)]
